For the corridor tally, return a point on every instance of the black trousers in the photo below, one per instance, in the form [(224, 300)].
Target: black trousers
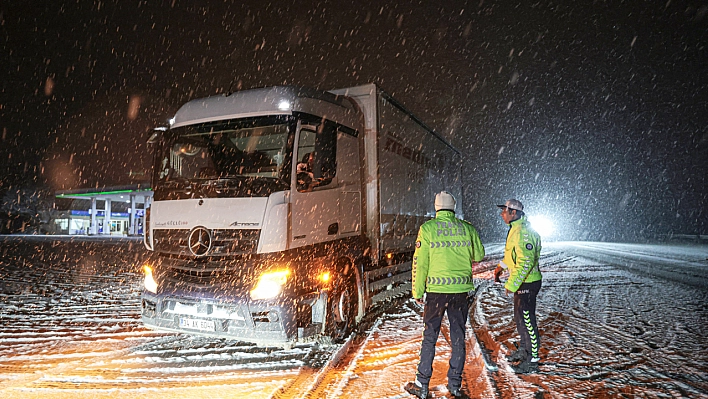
[(457, 309), (525, 317)]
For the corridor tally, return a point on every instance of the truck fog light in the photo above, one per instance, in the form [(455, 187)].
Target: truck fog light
[(149, 306), (273, 316), (150, 283)]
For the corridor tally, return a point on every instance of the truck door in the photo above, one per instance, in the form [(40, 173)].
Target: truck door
[(315, 199)]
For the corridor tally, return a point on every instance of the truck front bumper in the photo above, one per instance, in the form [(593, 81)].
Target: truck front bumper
[(261, 323)]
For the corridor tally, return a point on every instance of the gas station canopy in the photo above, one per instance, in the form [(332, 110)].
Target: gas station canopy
[(115, 194)]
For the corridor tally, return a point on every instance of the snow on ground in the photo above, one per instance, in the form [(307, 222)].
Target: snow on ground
[(616, 320), (70, 327), (615, 327)]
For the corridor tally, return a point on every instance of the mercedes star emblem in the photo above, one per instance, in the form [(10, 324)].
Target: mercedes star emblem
[(199, 241)]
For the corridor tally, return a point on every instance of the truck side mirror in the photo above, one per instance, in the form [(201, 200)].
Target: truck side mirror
[(156, 134)]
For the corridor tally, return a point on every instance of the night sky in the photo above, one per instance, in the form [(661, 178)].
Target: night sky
[(594, 113)]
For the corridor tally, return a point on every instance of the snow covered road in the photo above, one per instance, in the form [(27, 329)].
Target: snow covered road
[(616, 320)]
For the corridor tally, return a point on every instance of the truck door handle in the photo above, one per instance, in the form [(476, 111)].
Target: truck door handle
[(333, 228)]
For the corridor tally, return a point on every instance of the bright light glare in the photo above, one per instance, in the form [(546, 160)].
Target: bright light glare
[(150, 283), (270, 285), (284, 105), (324, 277), (543, 225)]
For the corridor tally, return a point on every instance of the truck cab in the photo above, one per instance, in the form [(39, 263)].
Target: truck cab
[(282, 214)]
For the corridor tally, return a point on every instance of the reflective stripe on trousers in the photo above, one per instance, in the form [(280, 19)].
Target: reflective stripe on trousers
[(525, 317)]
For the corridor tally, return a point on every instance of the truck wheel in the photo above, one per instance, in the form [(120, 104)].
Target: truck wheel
[(343, 306)]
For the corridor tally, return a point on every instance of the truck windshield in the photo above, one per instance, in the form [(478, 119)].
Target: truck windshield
[(244, 157)]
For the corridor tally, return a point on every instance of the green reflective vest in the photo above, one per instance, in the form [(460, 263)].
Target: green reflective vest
[(521, 253), (444, 252)]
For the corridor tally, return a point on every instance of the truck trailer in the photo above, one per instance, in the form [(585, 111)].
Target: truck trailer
[(282, 214)]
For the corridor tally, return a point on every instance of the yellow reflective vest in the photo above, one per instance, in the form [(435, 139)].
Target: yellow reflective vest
[(521, 253), (444, 252)]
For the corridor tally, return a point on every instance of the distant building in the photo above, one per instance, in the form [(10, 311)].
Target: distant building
[(108, 211)]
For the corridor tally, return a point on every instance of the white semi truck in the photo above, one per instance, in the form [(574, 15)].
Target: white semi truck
[(281, 215)]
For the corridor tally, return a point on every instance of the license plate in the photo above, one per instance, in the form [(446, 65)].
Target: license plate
[(196, 324)]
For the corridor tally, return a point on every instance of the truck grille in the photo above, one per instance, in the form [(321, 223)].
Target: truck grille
[(224, 242), (234, 277)]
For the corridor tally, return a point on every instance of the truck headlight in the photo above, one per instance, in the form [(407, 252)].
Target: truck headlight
[(270, 284), (150, 283), (325, 277)]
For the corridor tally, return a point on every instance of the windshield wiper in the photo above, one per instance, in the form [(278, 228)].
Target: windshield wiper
[(178, 183)]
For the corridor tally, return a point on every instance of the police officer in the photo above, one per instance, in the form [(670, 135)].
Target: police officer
[(445, 250), (521, 253)]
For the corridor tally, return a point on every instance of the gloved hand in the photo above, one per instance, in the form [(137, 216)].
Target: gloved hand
[(497, 274), (470, 296)]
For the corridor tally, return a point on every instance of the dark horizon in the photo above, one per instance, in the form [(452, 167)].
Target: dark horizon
[(593, 114)]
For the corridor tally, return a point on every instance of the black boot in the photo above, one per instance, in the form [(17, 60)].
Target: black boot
[(414, 389), (455, 392), (519, 355), (528, 366)]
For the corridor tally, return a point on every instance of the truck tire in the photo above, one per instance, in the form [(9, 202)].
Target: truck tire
[(343, 305)]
